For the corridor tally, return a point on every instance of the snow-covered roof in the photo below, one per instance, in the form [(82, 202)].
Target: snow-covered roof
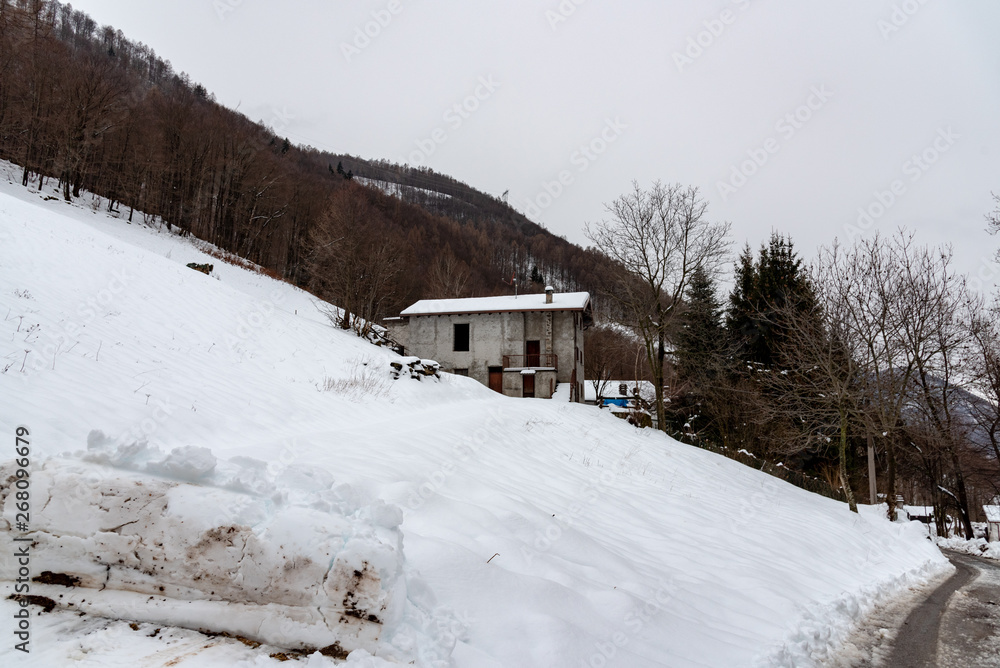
[(613, 389), (561, 301), (992, 513), (919, 511)]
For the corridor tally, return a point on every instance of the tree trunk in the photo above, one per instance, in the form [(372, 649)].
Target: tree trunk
[(963, 497), (890, 477), (661, 353), (842, 456), (939, 515)]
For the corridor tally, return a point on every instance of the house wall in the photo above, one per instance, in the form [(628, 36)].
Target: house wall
[(545, 382), (993, 529), (493, 335)]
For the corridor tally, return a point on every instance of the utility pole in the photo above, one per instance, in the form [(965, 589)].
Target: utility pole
[(872, 493)]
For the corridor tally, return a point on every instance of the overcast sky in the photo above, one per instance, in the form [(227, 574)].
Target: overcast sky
[(790, 116)]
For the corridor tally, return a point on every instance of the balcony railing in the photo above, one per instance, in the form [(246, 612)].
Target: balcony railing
[(525, 361)]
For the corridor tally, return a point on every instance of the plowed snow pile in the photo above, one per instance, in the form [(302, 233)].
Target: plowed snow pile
[(207, 452), (305, 573)]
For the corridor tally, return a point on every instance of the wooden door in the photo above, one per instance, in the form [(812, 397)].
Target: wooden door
[(496, 379), (532, 353), (529, 385)]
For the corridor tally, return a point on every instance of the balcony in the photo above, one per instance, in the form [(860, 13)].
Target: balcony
[(538, 360)]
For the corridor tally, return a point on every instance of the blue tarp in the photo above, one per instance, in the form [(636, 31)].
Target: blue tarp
[(616, 402)]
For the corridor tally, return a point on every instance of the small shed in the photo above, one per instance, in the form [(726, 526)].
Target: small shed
[(923, 514), (621, 393), (992, 523)]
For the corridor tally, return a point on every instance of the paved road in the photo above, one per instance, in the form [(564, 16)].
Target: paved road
[(958, 625)]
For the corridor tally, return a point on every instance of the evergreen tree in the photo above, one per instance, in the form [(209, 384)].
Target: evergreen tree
[(698, 357), (699, 339), (536, 276), (740, 321), (763, 289)]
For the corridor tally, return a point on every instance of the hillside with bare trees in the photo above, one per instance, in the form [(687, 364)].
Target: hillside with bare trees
[(84, 105)]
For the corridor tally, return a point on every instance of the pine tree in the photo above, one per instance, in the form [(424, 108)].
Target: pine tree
[(536, 276), (699, 361), (741, 322), (699, 339), (764, 288)]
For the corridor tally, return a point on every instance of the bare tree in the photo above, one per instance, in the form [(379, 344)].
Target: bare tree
[(818, 380), (609, 356), (985, 364), (993, 218), (353, 264), (657, 237), (449, 276), (939, 384), (883, 290)]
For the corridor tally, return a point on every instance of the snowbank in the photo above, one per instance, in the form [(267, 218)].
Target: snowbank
[(544, 533), (979, 547), (300, 573)]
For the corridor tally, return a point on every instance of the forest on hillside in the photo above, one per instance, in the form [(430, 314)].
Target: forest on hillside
[(91, 110), (86, 106), (875, 366)]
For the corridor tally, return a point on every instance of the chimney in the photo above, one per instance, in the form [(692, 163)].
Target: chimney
[(548, 294)]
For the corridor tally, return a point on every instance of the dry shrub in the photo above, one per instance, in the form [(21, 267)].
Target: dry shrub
[(368, 380), (237, 261)]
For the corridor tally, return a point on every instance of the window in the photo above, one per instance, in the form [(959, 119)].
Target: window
[(462, 337), (461, 372)]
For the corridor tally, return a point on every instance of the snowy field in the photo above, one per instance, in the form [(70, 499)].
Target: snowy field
[(207, 453)]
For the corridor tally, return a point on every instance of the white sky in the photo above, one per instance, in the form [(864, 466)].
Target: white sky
[(891, 89)]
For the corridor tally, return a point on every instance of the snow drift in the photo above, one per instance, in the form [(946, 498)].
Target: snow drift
[(306, 573), (534, 532)]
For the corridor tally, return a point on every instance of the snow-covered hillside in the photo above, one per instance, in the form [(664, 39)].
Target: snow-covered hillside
[(499, 532)]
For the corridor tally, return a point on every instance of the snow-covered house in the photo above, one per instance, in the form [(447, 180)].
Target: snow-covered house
[(628, 399), (521, 346), (923, 514), (621, 393), (992, 523)]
